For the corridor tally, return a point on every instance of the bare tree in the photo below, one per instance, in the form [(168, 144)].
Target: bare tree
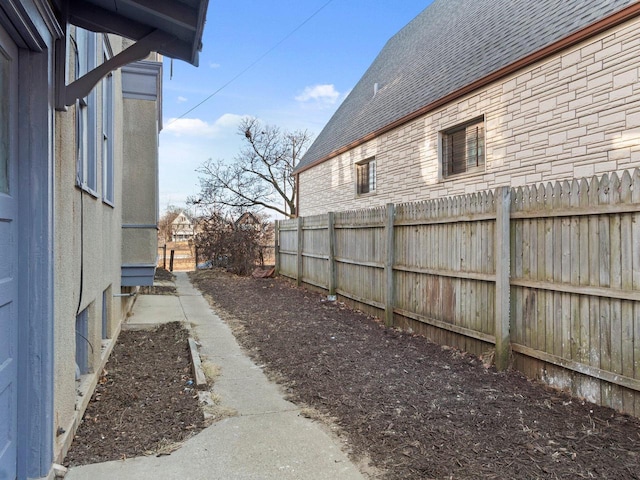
[(260, 175), (229, 244)]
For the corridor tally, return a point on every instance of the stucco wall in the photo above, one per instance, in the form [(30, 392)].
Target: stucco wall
[(574, 115), (139, 246), (141, 165), (87, 256), (140, 182)]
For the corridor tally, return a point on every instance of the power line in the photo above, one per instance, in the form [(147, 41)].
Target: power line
[(245, 70)]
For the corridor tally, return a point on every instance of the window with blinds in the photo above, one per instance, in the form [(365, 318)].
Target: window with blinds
[(463, 148), (366, 176)]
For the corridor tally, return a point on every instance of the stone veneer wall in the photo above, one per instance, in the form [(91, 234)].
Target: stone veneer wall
[(576, 114)]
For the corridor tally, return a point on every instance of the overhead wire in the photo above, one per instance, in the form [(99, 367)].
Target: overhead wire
[(252, 64)]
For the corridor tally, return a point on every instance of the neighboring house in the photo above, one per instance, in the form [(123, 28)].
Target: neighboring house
[(248, 220), (265, 229), (182, 228), (265, 237), (80, 114), (472, 95)]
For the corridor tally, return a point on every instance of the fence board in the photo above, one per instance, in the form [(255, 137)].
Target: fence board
[(626, 283), (594, 279), (572, 275), (584, 252), (615, 246), (388, 267), (503, 246), (516, 270), (541, 324), (605, 303), (634, 262)]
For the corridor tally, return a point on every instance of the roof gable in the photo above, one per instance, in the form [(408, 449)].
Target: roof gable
[(450, 45), (181, 219), (247, 217)]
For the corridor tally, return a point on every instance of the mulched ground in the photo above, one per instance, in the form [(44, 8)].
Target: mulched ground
[(145, 403), (417, 410), (162, 274)]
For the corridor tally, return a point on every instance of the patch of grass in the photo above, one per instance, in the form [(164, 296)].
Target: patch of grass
[(213, 409), (211, 371)]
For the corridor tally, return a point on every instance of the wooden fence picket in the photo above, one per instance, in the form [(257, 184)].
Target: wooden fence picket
[(550, 272)]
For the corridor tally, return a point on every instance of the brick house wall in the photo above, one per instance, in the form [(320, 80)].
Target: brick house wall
[(573, 115)]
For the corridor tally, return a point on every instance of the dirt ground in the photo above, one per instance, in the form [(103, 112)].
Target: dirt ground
[(144, 404), (162, 274), (415, 409)]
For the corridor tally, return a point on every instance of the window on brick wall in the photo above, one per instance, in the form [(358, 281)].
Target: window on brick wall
[(463, 148), (366, 176)]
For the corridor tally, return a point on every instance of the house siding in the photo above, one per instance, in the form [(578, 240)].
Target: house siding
[(575, 114), (66, 249), (140, 184), (88, 245)]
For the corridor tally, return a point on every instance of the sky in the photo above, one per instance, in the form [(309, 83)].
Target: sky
[(289, 64)]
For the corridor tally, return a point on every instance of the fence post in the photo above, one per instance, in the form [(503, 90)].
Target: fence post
[(171, 260), (503, 256), (164, 257), (276, 248), (332, 254), (195, 254), (299, 256), (388, 267)]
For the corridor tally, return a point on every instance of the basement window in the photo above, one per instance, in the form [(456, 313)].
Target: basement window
[(463, 148), (82, 342), (366, 176), (106, 312)]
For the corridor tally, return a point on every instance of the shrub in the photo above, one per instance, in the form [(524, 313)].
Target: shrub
[(220, 241)]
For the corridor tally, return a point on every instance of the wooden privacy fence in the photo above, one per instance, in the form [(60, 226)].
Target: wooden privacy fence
[(184, 257), (548, 275)]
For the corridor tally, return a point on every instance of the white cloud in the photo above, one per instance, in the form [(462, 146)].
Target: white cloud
[(182, 99), (326, 94), (195, 127), (185, 144), (229, 120), (214, 65)]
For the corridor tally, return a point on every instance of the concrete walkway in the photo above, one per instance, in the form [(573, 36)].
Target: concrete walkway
[(267, 439)]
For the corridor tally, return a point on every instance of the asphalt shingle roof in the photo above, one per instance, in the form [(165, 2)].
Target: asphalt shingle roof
[(448, 46)]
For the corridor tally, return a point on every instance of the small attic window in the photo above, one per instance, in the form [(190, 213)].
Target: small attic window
[(366, 176), (463, 147)]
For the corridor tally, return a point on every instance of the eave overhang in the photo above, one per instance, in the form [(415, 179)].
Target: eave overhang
[(172, 28), (179, 22)]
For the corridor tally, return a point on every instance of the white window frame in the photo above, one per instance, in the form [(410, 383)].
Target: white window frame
[(366, 168), (108, 106), (86, 116)]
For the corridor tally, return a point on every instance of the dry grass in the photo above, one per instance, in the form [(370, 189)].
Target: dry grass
[(211, 371)]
